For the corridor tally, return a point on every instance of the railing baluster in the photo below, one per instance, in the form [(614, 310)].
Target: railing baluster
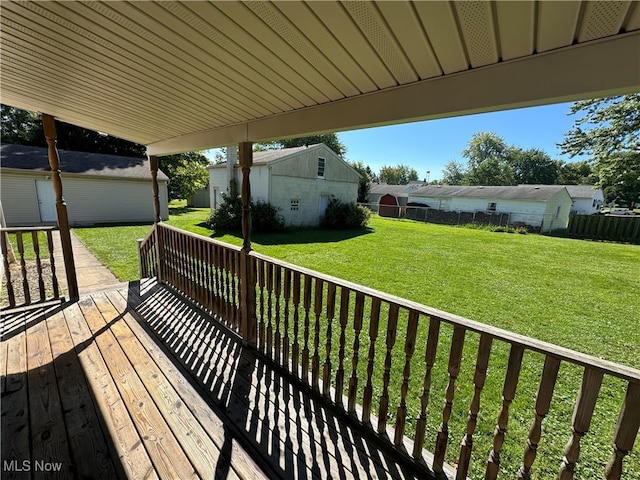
[(455, 356), (52, 263), (317, 309), (331, 311), (508, 393), (386, 376), (482, 361), (36, 251), (625, 433), (409, 348), (344, 316), (296, 322), (261, 325), (429, 361), (374, 321), (581, 421), (543, 402), (276, 291), (7, 271), (23, 267), (287, 299), (269, 279), (357, 327), (305, 347)]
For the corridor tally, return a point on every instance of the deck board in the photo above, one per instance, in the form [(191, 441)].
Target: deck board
[(141, 384)]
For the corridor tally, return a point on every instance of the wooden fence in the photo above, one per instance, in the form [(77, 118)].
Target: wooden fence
[(614, 228), (373, 355)]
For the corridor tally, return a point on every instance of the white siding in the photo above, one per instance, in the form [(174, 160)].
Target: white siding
[(89, 200), (588, 206), (259, 178), (556, 215)]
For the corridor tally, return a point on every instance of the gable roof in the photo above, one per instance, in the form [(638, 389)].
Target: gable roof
[(22, 157), (183, 76), (582, 191), (538, 193), (396, 190)]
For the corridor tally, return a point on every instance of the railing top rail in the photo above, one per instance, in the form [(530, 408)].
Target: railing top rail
[(147, 236), (617, 370), (28, 229), (199, 237)]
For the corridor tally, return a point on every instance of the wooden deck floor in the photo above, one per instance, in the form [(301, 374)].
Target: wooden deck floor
[(137, 384)]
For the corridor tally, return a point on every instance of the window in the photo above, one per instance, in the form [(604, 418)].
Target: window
[(295, 205), (321, 164), (491, 207)]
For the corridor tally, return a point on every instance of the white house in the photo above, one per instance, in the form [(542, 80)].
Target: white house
[(299, 181), (97, 188), (587, 199), (543, 206)]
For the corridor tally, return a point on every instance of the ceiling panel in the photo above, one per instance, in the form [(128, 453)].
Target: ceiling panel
[(183, 75)]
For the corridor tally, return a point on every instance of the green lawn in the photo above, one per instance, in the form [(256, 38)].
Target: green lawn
[(578, 294)]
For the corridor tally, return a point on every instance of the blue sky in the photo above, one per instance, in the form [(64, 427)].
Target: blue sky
[(428, 146)]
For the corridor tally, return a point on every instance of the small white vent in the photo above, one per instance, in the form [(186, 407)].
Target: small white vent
[(602, 19)]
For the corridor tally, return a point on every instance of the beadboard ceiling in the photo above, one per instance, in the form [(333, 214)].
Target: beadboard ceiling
[(179, 76)]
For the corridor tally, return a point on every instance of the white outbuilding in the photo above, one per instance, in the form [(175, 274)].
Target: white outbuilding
[(299, 181), (545, 207), (97, 188)]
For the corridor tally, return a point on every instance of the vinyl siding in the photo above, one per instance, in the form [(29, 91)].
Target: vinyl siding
[(89, 200)]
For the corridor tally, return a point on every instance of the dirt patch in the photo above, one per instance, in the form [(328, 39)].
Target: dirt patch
[(33, 283)]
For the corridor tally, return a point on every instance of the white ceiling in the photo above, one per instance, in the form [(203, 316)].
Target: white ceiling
[(179, 76)]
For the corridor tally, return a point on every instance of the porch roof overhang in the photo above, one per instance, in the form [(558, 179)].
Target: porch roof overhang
[(179, 76)]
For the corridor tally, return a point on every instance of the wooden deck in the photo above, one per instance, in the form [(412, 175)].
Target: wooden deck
[(135, 383)]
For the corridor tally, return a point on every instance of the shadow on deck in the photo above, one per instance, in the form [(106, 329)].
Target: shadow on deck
[(137, 383)]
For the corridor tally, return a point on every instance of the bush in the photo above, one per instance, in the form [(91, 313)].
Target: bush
[(228, 216), (340, 215)]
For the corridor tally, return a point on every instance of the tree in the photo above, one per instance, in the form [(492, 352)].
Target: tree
[(608, 125), (609, 130), (575, 173), (331, 140), (398, 175), (453, 173), (187, 173), (25, 128), (532, 167), (364, 184), (487, 157)]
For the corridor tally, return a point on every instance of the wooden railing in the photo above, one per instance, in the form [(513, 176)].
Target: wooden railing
[(374, 356), (44, 275)]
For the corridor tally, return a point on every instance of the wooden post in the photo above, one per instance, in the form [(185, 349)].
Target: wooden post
[(49, 125), (248, 286), (625, 432), (153, 166)]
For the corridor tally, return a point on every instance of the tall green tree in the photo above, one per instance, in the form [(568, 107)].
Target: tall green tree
[(487, 159), (575, 173), (609, 131), (453, 173), (187, 173), (398, 175), (532, 167), (364, 184), (331, 140)]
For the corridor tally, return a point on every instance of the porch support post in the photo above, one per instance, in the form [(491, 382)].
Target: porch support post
[(247, 291), (153, 166), (49, 125)]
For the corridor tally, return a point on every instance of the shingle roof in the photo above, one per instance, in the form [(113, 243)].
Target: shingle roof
[(271, 155), (93, 164), (581, 191), (383, 189), (521, 192)]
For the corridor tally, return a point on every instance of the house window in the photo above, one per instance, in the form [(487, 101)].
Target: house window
[(295, 205), (491, 207), (321, 165)]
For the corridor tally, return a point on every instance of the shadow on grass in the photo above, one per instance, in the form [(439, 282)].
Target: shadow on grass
[(182, 210), (299, 236)]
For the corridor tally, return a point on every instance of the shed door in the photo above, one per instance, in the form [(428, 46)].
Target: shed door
[(46, 201), (324, 203)]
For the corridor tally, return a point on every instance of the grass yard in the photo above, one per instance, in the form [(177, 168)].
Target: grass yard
[(578, 294)]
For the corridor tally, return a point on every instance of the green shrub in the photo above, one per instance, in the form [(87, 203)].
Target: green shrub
[(340, 215), (228, 216), (265, 218)]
